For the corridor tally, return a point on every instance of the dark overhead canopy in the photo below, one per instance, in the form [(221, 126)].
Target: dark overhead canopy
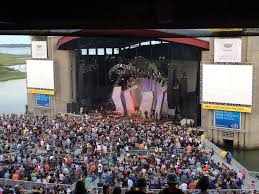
[(128, 14)]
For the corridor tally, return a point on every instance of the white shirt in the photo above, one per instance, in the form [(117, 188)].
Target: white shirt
[(104, 148), (47, 147), (239, 175), (183, 186), (38, 181), (41, 142), (68, 191), (100, 168), (61, 177), (130, 183)]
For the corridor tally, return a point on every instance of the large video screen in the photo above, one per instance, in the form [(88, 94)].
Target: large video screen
[(227, 84), (40, 74)]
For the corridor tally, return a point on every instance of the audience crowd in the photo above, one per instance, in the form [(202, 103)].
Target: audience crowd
[(106, 150)]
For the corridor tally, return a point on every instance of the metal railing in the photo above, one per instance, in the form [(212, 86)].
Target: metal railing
[(254, 174), (29, 185), (98, 190)]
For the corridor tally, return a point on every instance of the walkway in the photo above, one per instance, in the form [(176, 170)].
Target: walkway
[(234, 164)]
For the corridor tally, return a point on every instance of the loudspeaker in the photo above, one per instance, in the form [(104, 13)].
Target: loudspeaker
[(170, 85), (69, 107), (73, 107)]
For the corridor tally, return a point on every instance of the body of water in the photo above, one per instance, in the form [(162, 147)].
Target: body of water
[(16, 51), (248, 158), (21, 68), (13, 96)]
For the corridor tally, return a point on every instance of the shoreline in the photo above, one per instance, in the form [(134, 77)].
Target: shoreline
[(7, 73)]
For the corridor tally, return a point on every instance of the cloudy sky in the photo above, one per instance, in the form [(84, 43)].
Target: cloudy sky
[(15, 39)]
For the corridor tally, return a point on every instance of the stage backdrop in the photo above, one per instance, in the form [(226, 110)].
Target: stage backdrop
[(116, 97), (146, 85), (129, 101), (146, 103)]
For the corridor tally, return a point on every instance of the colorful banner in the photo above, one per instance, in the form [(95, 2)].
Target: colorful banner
[(227, 108)]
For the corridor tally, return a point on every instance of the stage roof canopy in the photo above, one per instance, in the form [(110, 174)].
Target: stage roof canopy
[(122, 38)]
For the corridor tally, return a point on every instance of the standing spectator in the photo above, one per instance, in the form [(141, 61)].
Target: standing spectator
[(183, 186), (172, 182), (192, 185), (116, 190), (140, 188), (203, 185), (244, 173), (253, 187), (80, 188), (106, 189), (229, 157)]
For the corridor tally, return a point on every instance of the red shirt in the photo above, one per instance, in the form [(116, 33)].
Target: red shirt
[(93, 168), (189, 148), (15, 177), (46, 166), (192, 185), (125, 172)]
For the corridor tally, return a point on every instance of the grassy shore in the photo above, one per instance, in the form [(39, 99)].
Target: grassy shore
[(7, 73)]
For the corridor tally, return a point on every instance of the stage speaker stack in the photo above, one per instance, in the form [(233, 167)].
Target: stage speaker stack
[(170, 85)]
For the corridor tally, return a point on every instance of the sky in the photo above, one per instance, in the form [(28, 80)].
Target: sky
[(6, 39)]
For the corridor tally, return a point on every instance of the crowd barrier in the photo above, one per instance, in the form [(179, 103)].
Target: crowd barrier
[(98, 190), (29, 185)]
